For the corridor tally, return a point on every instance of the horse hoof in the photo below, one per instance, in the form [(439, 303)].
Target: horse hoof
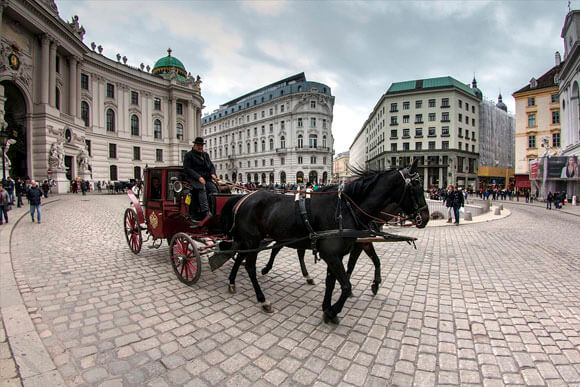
[(232, 289), (329, 319), (375, 289), (350, 294), (268, 308), (265, 271), (309, 280)]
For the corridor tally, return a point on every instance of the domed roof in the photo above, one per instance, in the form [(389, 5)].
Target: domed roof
[(500, 104), (168, 63), (477, 92)]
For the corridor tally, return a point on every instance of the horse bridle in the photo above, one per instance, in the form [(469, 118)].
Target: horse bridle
[(409, 179)]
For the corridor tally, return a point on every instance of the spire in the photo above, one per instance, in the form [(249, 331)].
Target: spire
[(499, 98), (169, 51), (474, 82), (500, 104)]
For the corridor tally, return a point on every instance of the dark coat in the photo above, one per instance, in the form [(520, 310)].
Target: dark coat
[(9, 185), (449, 198), (196, 165), (458, 200), (34, 194)]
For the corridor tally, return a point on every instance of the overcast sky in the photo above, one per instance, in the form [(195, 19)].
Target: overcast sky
[(356, 48)]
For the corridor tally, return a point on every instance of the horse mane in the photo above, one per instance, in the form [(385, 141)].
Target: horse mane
[(366, 179)]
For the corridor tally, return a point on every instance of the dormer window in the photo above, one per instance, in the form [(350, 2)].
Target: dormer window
[(533, 83)]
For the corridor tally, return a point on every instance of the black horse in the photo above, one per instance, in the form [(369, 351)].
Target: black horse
[(264, 214)]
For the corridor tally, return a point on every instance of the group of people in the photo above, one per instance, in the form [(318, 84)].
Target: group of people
[(20, 187), (454, 200), (558, 198), (80, 184)]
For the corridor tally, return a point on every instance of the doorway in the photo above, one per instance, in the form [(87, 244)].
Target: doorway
[(15, 117), (68, 163)]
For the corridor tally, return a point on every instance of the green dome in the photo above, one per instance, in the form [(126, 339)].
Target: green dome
[(166, 64)]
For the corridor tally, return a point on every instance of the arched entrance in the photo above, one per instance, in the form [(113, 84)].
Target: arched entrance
[(299, 177), (15, 117), (271, 177), (282, 177), (324, 177), (313, 177)]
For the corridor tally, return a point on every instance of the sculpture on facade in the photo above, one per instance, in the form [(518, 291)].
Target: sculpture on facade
[(56, 156), (83, 160)]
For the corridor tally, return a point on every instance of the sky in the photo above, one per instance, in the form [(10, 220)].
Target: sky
[(357, 48)]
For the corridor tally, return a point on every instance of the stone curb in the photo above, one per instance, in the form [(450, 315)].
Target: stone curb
[(34, 364), (487, 217)]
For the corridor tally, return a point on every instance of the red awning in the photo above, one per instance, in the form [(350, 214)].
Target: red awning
[(523, 181)]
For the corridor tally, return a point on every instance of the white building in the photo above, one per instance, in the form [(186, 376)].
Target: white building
[(357, 156), (280, 133), (102, 118), (569, 80)]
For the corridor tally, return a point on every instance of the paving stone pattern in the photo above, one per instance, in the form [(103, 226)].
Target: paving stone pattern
[(494, 303)]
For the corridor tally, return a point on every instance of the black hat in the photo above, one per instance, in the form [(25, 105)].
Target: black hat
[(199, 141)]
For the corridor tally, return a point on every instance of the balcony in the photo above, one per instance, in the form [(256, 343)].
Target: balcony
[(445, 106), (316, 150), (281, 150)]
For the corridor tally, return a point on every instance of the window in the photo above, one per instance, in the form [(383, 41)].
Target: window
[(282, 161), (531, 101), (556, 140), (432, 116), (179, 108), (110, 90), (84, 81), (445, 145), (300, 160), (313, 104), (85, 112), (556, 117), (281, 108), (300, 141), (394, 108), (324, 123), (406, 105), (405, 146), (300, 122), (112, 151), (394, 147), (473, 148), (531, 120), (281, 125), (418, 104), (394, 120), (255, 146), (324, 141), (445, 117), (406, 133), (473, 122), (432, 103), (263, 145), (313, 122), (418, 118), (467, 120), (418, 132), (459, 132), (473, 135), (460, 117), (88, 147), (110, 120), (393, 161), (248, 146), (255, 131), (282, 142), (156, 103), (466, 147), (183, 153), (134, 125), (473, 109), (263, 113), (431, 145), (444, 102), (554, 98), (159, 155), (271, 144), (394, 133), (418, 146), (113, 173), (445, 131), (255, 115), (460, 103), (271, 112), (271, 128), (157, 129), (405, 119), (466, 134), (313, 141), (58, 64), (136, 153), (466, 106), (57, 98), (312, 159), (134, 98), (431, 132), (263, 163), (179, 130), (459, 145)]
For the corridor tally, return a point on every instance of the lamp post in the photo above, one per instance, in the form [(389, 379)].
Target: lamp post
[(3, 141)]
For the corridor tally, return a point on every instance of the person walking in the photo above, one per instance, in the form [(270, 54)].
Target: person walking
[(34, 196), (45, 188), (449, 202), (458, 202), (9, 187), (549, 201), (20, 188), (4, 205)]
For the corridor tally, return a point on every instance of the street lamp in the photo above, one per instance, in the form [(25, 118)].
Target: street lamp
[(4, 136), (545, 144)]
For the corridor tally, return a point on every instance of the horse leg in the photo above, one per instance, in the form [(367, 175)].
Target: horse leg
[(370, 251), (270, 263), (337, 271), (305, 274), (251, 269), (330, 282), (234, 273), (353, 259)]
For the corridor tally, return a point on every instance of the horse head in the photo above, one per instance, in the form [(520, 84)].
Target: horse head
[(413, 199)]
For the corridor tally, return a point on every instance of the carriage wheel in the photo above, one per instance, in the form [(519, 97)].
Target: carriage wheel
[(133, 231), (185, 258)]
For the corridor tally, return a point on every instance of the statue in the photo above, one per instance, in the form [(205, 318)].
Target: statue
[(56, 156), (83, 160)]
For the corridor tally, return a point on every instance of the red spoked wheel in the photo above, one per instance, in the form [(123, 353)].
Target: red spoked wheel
[(185, 258), (133, 231)]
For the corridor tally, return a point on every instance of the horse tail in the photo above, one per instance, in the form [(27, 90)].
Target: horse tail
[(227, 214)]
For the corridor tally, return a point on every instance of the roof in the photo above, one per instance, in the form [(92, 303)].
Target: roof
[(429, 83), (167, 63), (545, 81)]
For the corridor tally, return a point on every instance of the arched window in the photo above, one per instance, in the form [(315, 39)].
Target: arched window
[(282, 142), (263, 178), (248, 148), (271, 144), (134, 125), (137, 173), (110, 120), (85, 112), (263, 146), (299, 177), (271, 178), (300, 141), (282, 177), (313, 141), (313, 177), (324, 141), (325, 178), (157, 129), (233, 149), (179, 131), (226, 176), (113, 173), (249, 178), (240, 148), (255, 146), (239, 178), (256, 177)]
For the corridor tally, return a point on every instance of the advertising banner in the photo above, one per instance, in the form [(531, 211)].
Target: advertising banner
[(559, 167)]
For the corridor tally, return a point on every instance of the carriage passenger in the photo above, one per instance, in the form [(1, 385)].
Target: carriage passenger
[(200, 172)]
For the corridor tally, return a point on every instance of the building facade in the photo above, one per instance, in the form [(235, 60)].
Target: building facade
[(340, 168), (357, 154), (435, 120), (71, 112), (569, 80), (496, 145), (538, 129), (278, 134)]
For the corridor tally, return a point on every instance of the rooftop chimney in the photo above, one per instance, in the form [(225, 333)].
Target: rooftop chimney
[(558, 58)]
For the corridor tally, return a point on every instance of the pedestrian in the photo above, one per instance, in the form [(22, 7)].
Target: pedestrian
[(9, 187), (458, 202), (34, 196), (449, 202), (84, 187), (45, 188), (549, 201), (20, 191), (4, 204)]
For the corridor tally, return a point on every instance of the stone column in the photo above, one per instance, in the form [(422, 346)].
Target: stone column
[(78, 89), (171, 116), (197, 124), (52, 74), (45, 43), (72, 107), (426, 179), (190, 134)]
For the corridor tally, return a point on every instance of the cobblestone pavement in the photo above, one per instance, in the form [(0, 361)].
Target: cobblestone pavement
[(491, 303)]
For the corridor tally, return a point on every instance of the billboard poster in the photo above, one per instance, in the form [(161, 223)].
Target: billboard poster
[(559, 167)]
